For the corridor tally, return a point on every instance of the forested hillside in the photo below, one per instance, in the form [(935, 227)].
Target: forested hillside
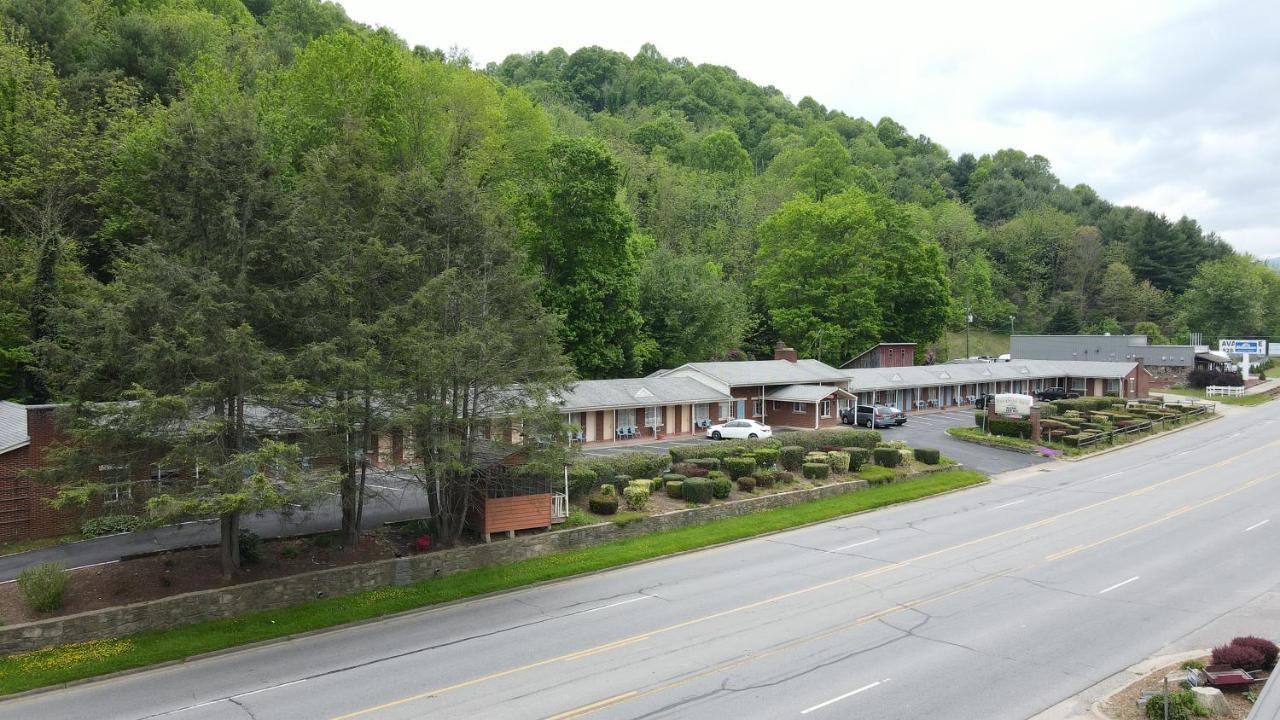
[(261, 194)]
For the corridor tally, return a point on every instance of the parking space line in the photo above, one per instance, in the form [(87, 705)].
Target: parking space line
[(1257, 525), (845, 696), (1118, 585)]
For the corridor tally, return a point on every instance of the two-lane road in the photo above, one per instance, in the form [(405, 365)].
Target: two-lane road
[(996, 602)]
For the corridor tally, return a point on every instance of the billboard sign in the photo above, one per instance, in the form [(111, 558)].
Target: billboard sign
[(1243, 347)]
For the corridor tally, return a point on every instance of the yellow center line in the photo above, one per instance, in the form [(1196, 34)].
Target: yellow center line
[(788, 595)]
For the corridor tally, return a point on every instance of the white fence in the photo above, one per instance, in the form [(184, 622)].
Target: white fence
[(1223, 391)]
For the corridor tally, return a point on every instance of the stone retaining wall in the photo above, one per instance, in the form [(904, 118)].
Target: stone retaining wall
[(235, 600)]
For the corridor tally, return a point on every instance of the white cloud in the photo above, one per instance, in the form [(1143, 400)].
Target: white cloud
[(1169, 104)]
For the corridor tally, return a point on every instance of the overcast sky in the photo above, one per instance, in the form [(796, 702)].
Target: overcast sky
[(1174, 106)]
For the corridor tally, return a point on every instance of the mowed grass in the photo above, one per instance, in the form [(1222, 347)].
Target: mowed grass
[(1247, 400), (63, 664), (981, 342)]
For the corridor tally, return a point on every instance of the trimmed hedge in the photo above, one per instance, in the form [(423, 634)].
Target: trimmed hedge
[(835, 437), (857, 457), (706, 463), (1086, 403), (746, 483), (721, 485), (928, 456), (739, 466), (791, 457), (1008, 427), (668, 478), (719, 450), (636, 464), (839, 461), (887, 457), (816, 470), (688, 470), (765, 479), (637, 497), (786, 477), (875, 475), (675, 489), (697, 490), (603, 504), (765, 457)]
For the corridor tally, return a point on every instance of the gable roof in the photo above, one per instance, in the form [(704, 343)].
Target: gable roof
[(968, 373), (805, 393), (13, 427), (637, 392), (765, 372)]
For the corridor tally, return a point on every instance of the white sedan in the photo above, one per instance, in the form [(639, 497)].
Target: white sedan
[(739, 430)]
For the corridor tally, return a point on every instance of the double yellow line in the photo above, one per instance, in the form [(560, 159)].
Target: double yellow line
[(569, 657)]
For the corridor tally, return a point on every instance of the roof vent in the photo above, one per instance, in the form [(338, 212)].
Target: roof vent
[(643, 393), (897, 377)]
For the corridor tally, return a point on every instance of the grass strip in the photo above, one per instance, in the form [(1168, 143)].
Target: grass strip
[(1246, 400), (66, 663)]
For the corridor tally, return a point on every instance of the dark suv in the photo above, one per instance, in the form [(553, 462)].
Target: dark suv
[(878, 416), (1056, 393)]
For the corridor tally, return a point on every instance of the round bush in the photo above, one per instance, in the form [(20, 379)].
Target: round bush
[(656, 484), (747, 483), (816, 456), (786, 477), (608, 491), (1269, 651), (839, 461), (621, 481), (706, 463), (791, 457), (43, 586), (816, 470), (1239, 656), (697, 490), (720, 485), (739, 466), (887, 457), (581, 480), (675, 488), (603, 504), (669, 478), (637, 498), (857, 457), (647, 485), (1182, 706), (928, 456), (765, 457), (764, 479)]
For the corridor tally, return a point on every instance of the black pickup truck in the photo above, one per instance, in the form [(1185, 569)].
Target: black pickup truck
[(1055, 393)]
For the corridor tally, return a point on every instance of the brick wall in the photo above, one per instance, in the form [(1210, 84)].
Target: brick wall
[(266, 594), (24, 504)]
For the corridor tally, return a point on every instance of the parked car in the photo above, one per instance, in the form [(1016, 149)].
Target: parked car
[(877, 416), (739, 430), (981, 402), (899, 417), (1055, 393)]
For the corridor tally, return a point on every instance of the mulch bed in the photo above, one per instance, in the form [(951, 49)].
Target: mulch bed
[(1124, 705)]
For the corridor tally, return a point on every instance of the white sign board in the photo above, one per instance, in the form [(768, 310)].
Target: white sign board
[(1243, 347), (1013, 404)]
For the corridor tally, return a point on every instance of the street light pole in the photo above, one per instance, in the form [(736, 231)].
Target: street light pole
[(1011, 317), (968, 320)]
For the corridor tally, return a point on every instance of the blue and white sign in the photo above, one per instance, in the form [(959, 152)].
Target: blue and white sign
[(1243, 347)]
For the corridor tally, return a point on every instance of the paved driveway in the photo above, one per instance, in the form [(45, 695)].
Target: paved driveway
[(930, 430)]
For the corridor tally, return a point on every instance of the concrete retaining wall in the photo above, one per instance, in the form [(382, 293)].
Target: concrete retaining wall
[(266, 594)]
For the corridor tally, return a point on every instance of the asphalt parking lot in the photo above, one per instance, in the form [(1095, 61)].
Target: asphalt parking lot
[(921, 430)]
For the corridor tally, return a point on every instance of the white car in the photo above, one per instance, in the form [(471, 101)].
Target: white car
[(739, 430)]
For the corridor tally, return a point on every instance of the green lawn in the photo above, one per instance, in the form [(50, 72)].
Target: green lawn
[(72, 662), (981, 342), (1248, 400)]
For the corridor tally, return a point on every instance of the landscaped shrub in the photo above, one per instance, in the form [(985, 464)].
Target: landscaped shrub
[(791, 457), (928, 456), (109, 525), (747, 483), (816, 470), (1268, 649), (1182, 706), (688, 469), (669, 478), (857, 457), (721, 485), (764, 479), (621, 481), (786, 477), (1201, 378), (765, 457), (815, 456), (656, 484), (637, 497), (875, 475), (706, 463), (646, 485), (1239, 656), (608, 491), (636, 464), (582, 480), (739, 466), (1074, 439), (43, 586), (697, 490), (1008, 427), (602, 504), (718, 449), (839, 461), (887, 457), (834, 437), (250, 547), (675, 488)]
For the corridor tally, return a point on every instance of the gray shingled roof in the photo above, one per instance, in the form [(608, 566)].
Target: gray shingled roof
[(803, 393), (13, 426), (967, 373), (637, 392), (767, 372)]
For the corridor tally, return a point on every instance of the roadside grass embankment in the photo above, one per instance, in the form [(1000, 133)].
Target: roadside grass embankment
[(1198, 393), (68, 663)]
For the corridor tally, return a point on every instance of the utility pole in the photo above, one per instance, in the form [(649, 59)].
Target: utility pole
[(968, 320)]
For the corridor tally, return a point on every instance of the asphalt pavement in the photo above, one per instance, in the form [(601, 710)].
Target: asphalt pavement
[(995, 602)]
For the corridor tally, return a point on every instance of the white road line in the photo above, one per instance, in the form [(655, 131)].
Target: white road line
[(273, 687), (1184, 452), (1114, 474), (864, 542), (610, 605), (1257, 525), (850, 694), (1015, 502), (1119, 584)]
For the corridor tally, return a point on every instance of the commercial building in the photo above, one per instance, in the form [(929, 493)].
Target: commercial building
[(1167, 364)]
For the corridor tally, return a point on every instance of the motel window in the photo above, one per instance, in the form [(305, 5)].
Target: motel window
[(116, 478), (797, 408), (757, 408), (624, 418), (826, 408), (1113, 386), (163, 475), (653, 417), (724, 410), (702, 411)]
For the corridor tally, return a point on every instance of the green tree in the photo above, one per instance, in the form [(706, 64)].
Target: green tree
[(720, 151), (690, 310), (1154, 335), (1232, 297), (580, 237)]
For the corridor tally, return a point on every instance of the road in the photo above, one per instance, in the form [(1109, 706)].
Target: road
[(996, 602)]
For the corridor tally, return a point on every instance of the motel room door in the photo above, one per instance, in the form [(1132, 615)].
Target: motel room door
[(742, 409)]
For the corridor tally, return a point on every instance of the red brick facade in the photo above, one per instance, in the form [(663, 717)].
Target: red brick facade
[(24, 503)]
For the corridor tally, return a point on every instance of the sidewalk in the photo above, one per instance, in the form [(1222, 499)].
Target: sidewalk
[(1263, 387), (382, 504)]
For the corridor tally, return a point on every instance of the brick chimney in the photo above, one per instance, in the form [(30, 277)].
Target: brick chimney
[(782, 352)]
